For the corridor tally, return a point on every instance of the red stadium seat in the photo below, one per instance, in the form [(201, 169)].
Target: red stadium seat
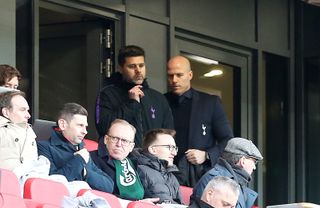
[(10, 195), (90, 145), (110, 198), (141, 204), (45, 191), (185, 192)]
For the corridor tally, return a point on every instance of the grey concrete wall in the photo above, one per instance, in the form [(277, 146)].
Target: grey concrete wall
[(8, 32)]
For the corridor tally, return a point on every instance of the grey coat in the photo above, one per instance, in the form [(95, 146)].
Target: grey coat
[(247, 196), (157, 178)]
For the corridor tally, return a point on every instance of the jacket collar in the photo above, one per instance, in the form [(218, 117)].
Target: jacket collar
[(238, 173), (201, 204), (57, 139), (154, 162), (4, 121)]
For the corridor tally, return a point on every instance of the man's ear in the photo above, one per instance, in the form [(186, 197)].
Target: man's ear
[(151, 150), (131, 147), (5, 112), (62, 123), (105, 139), (241, 161), (120, 69), (191, 74), (209, 193)]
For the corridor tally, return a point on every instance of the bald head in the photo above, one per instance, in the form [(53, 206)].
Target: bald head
[(179, 74), (179, 61)]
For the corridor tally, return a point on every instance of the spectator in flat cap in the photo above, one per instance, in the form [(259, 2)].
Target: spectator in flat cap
[(237, 162)]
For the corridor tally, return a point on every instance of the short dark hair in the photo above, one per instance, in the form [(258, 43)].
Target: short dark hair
[(7, 72), (151, 136), (69, 110), (6, 97), (129, 51)]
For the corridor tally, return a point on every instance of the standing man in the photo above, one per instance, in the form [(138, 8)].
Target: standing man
[(17, 139), (129, 97), (65, 151), (200, 121)]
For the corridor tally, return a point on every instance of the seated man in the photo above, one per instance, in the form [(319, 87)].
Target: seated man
[(119, 142), (220, 192), (65, 151), (9, 76), (17, 139), (155, 166), (237, 161)]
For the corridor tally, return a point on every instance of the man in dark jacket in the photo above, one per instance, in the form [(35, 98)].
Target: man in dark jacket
[(237, 162), (200, 121), (128, 96), (155, 166), (220, 192), (65, 151), (119, 142)]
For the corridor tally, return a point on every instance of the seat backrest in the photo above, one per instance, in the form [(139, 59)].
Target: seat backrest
[(185, 192), (141, 204), (9, 183), (110, 198), (10, 195), (45, 191), (43, 128), (90, 145), (10, 201)]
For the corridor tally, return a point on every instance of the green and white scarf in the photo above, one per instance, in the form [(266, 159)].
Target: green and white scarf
[(128, 181)]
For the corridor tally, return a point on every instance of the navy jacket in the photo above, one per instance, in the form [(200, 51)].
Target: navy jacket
[(247, 196), (206, 111), (113, 102), (60, 152)]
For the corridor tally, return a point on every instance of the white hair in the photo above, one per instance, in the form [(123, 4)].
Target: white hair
[(220, 183)]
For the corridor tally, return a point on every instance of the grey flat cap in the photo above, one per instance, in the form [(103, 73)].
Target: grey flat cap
[(241, 146)]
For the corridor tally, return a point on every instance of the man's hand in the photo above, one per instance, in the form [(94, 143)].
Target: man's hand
[(84, 154), (150, 200), (136, 93), (196, 157)]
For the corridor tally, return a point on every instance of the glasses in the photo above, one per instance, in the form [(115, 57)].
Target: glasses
[(115, 140), (170, 147)]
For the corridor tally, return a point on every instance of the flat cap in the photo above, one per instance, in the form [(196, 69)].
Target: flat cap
[(242, 146)]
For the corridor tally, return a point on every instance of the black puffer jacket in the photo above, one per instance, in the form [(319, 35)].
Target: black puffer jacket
[(157, 177)]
